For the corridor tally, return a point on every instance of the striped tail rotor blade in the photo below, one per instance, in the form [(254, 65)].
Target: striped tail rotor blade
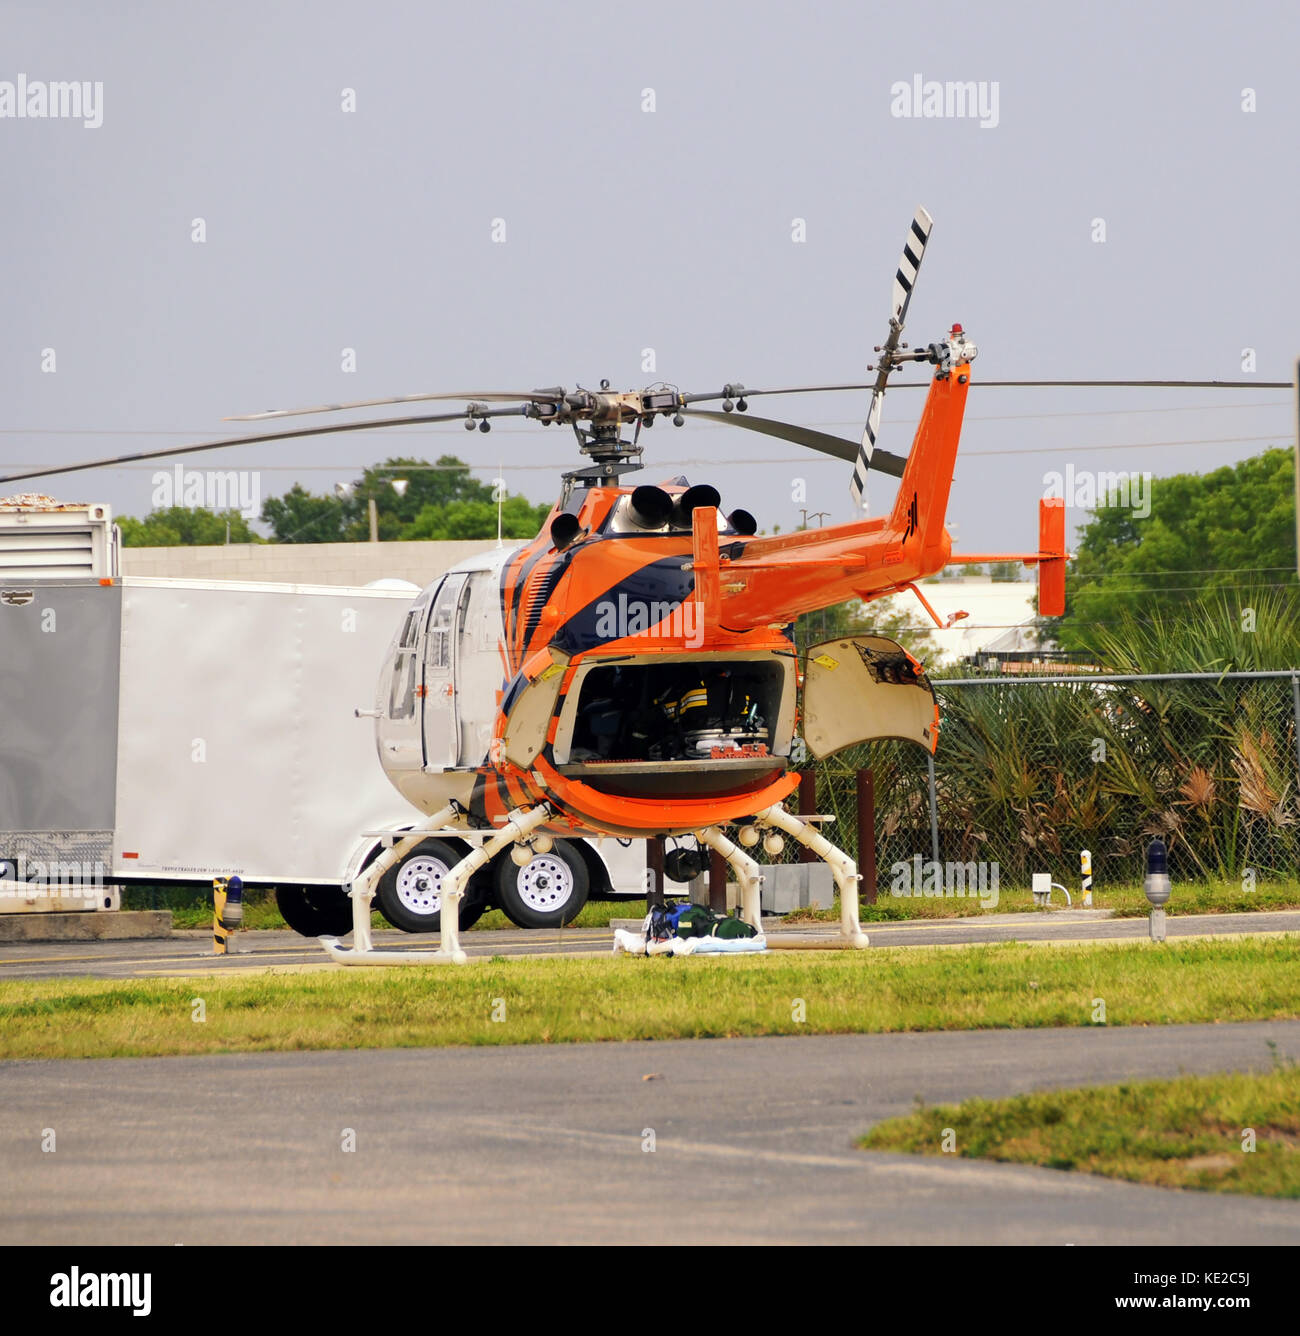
[(913, 252), (858, 487)]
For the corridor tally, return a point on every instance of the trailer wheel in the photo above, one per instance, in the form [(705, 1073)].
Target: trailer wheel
[(409, 893), (315, 911), (547, 892)]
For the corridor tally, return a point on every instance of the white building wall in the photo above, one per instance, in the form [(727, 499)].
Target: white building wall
[(304, 563)]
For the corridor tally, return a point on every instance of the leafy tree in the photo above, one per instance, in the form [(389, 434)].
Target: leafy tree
[(299, 516), (478, 519), (185, 526), (449, 481), (857, 618), (1232, 529), (426, 492)]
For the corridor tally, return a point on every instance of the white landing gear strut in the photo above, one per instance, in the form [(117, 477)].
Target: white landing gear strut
[(843, 868), (363, 950), (748, 874)]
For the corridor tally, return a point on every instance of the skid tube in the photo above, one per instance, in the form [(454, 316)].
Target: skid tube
[(843, 869), (363, 951)]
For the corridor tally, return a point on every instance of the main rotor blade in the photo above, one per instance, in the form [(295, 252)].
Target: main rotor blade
[(1004, 384), (556, 394), (482, 396), (1142, 384), (254, 440), (821, 441)]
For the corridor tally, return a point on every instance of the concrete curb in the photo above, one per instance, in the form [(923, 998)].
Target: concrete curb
[(116, 926)]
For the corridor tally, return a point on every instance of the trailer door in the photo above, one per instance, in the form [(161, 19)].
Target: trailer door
[(441, 725)]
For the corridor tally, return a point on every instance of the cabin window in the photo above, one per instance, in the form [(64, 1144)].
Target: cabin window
[(406, 663), (438, 650)]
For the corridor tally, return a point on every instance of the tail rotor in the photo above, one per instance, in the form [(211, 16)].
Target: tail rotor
[(909, 266)]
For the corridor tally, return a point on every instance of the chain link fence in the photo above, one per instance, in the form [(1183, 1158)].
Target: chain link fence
[(1029, 771)]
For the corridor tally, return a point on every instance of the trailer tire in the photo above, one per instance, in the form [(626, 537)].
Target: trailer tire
[(315, 911), (547, 892), (407, 894)]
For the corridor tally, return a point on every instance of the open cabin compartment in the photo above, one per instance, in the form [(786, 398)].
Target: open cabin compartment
[(655, 725)]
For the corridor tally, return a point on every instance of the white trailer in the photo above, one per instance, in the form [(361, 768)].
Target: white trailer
[(174, 731)]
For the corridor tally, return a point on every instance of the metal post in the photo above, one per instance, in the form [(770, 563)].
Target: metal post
[(934, 812), (866, 790), (374, 521), (807, 807), (1295, 714), (218, 909), (654, 861), (717, 882)]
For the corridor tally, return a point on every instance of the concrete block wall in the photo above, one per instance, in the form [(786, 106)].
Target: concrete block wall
[(304, 563)]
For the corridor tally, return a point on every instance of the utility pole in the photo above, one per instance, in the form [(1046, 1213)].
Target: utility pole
[(819, 516)]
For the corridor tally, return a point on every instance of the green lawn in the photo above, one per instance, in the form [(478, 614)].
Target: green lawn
[(193, 908), (1128, 901), (574, 999), (1187, 1133)]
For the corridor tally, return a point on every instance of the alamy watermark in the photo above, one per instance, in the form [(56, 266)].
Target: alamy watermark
[(24, 878), (218, 490), (36, 100), (627, 618), (926, 878), (1086, 490), (952, 100)]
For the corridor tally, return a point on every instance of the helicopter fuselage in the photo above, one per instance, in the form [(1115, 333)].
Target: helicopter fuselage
[(587, 677)]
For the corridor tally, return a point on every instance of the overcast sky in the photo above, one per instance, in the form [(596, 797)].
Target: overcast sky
[(628, 229)]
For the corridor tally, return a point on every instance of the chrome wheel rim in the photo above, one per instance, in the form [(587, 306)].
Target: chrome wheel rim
[(419, 885), (546, 884)]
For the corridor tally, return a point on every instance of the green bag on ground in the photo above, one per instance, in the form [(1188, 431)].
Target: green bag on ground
[(733, 927), (697, 921), (701, 921)]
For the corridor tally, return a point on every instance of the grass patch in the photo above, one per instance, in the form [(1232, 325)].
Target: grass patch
[(191, 907), (594, 914), (1128, 901), (578, 999), (1185, 1133)]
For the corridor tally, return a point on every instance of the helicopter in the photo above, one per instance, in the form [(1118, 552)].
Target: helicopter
[(631, 672)]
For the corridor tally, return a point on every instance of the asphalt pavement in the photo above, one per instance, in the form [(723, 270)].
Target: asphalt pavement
[(752, 1142)]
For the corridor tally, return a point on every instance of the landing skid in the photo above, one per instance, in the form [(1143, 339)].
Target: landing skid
[(363, 950), (750, 875)]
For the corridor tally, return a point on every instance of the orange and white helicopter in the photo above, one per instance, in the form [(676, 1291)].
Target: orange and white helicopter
[(631, 672)]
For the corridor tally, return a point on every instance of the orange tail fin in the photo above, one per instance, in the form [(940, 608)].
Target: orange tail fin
[(1051, 567)]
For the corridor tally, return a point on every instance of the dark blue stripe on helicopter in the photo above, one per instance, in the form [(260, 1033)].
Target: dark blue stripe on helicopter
[(509, 614), (602, 620), (537, 598)]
